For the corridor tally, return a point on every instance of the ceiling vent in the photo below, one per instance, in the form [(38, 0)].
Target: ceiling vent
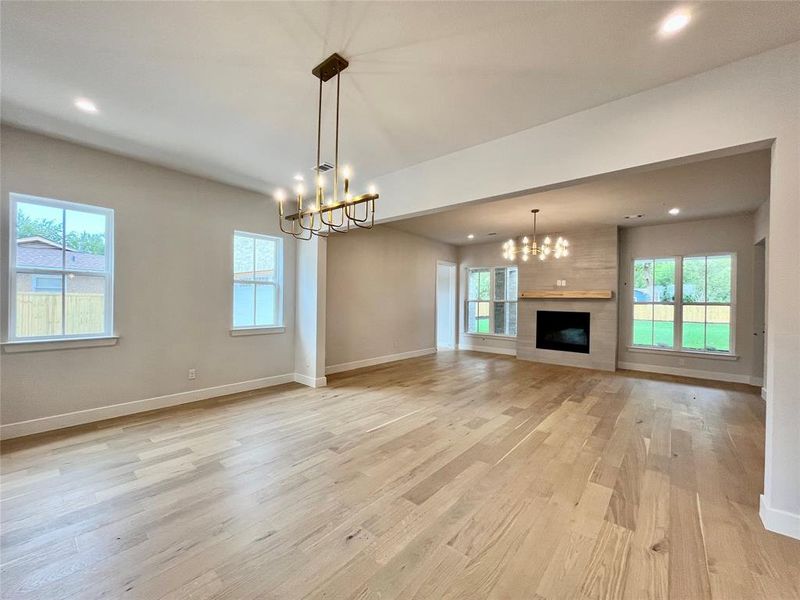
[(634, 216), (324, 167)]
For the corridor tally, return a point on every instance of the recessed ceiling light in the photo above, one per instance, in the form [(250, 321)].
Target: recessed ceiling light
[(86, 105), (675, 22), (674, 211), (471, 236)]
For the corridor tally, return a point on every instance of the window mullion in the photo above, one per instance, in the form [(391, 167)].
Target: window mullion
[(63, 268), (255, 287), (491, 301), (705, 300), (678, 303), (63, 238), (63, 305)]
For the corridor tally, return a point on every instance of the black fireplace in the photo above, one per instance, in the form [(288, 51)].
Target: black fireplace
[(558, 330)]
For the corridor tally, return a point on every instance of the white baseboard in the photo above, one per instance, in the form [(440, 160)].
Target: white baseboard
[(81, 417), (764, 394), (779, 521), (378, 360), (696, 373), (491, 349), (313, 382)]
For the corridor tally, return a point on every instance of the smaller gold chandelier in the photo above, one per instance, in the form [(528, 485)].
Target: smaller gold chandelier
[(531, 248)]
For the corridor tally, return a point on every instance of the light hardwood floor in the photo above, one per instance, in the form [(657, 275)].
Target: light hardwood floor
[(460, 475)]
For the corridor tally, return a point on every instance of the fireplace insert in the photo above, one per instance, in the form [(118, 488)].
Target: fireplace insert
[(559, 330)]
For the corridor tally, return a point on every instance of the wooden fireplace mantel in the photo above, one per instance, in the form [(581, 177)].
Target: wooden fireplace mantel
[(566, 294)]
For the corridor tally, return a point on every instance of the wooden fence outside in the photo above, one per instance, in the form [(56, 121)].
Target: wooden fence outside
[(39, 314), (691, 313)]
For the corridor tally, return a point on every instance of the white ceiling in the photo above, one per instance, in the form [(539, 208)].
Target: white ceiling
[(224, 89), (705, 189)]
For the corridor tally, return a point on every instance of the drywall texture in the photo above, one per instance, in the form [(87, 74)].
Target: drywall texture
[(173, 273), (591, 265), (381, 296), (470, 257), (729, 234)]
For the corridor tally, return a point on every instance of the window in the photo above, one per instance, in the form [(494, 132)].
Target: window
[(257, 281), (695, 315), (491, 304), (61, 270), (707, 290), (654, 302)]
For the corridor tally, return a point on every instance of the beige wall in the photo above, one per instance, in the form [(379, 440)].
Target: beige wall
[(729, 234), (172, 279), (381, 293)]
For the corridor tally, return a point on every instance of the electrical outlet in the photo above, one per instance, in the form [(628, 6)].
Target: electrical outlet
[(192, 373), (563, 283)]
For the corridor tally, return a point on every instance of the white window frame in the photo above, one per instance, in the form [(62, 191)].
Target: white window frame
[(491, 301), (13, 270), (679, 304), (277, 284)]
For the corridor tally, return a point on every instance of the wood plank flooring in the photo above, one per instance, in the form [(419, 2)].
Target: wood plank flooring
[(456, 476)]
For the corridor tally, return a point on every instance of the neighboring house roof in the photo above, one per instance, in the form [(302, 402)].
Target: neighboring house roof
[(37, 241), (40, 252)]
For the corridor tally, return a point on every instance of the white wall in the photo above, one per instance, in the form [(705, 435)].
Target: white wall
[(729, 234), (173, 275), (446, 305), (742, 103), (761, 223), (311, 271), (381, 295), (761, 238)]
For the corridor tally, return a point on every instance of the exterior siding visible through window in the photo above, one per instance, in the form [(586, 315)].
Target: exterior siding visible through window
[(61, 270)]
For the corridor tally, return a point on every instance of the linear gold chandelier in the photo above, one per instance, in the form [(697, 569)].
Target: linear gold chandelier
[(309, 216), (530, 248)]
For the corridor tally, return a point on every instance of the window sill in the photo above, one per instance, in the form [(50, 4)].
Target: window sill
[(688, 353), (493, 336), (256, 331), (59, 344)]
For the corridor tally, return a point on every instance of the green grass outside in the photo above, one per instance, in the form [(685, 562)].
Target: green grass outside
[(718, 335), (483, 324)]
